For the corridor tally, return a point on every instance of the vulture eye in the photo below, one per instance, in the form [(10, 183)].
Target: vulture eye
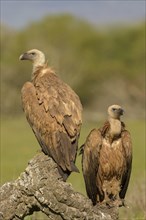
[(114, 109), (33, 53)]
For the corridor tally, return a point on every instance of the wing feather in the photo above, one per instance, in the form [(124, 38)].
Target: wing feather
[(127, 145), (90, 163), (59, 97), (53, 111)]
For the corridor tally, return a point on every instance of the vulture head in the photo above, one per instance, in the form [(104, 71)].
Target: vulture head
[(115, 111), (35, 56)]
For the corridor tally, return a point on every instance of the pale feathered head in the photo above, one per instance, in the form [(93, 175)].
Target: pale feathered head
[(36, 56), (115, 111)]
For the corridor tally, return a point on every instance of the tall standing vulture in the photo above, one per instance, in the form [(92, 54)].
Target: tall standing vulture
[(107, 160), (53, 111)]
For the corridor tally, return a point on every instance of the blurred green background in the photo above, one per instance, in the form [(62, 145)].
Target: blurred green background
[(104, 66)]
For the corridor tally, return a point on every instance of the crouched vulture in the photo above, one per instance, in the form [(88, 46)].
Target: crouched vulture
[(107, 160), (53, 111)]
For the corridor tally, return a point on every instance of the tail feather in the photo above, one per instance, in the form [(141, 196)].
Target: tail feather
[(81, 149), (74, 168)]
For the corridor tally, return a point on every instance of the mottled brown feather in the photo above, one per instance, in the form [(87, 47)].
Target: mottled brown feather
[(53, 111), (127, 145), (90, 162)]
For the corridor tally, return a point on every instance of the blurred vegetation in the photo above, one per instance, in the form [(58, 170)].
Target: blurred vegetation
[(104, 66)]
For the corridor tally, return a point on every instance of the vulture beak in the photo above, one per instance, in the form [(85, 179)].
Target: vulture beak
[(121, 111), (24, 56)]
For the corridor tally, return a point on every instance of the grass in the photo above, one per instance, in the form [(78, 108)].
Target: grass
[(18, 146)]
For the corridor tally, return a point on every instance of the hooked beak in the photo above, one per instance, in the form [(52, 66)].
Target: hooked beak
[(121, 111), (24, 56)]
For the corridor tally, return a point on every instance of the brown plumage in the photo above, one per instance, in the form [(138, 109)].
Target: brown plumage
[(107, 160), (53, 111)]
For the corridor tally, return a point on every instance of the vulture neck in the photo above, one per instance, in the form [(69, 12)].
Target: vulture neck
[(115, 127), (37, 66), (37, 63), (37, 71), (41, 70)]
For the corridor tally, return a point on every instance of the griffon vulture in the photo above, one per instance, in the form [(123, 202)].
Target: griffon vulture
[(107, 160), (53, 111)]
